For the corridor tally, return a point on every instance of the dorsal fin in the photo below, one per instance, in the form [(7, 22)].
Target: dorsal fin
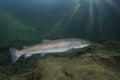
[(45, 40), (24, 47)]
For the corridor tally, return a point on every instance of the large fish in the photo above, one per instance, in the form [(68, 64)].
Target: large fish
[(49, 46)]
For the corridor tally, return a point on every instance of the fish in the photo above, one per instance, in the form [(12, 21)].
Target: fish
[(49, 46)]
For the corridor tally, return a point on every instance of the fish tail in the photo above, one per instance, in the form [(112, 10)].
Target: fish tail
[(14, 54)]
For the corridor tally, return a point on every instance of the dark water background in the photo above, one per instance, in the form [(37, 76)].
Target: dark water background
[(34, 20)]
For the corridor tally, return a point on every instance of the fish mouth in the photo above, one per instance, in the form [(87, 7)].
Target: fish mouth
[(89, 42)]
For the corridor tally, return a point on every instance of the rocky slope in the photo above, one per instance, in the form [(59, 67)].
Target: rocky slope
[(100, 61)]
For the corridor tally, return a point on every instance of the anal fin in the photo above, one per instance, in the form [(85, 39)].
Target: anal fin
[(27, 55)]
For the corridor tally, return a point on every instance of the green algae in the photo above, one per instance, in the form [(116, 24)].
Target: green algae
[(14, 23), (86, 67), (12, 28)]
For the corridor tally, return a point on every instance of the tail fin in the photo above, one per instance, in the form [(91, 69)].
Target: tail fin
[(14, 54)]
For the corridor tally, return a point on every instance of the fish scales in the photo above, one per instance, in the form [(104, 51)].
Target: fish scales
[(49, 46)]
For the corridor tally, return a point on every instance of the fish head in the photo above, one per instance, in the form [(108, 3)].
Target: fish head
[(80, 43)]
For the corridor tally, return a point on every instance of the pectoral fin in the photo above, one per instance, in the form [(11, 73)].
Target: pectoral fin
[(42, 54), (70, 50)]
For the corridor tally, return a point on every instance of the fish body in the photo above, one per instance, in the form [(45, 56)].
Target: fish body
[(49, 46)]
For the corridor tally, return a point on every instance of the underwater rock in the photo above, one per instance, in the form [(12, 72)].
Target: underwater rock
[(102, 40), (82, 68)]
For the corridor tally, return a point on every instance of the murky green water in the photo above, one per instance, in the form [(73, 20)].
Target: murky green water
[(27, 22), (52, 19)]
